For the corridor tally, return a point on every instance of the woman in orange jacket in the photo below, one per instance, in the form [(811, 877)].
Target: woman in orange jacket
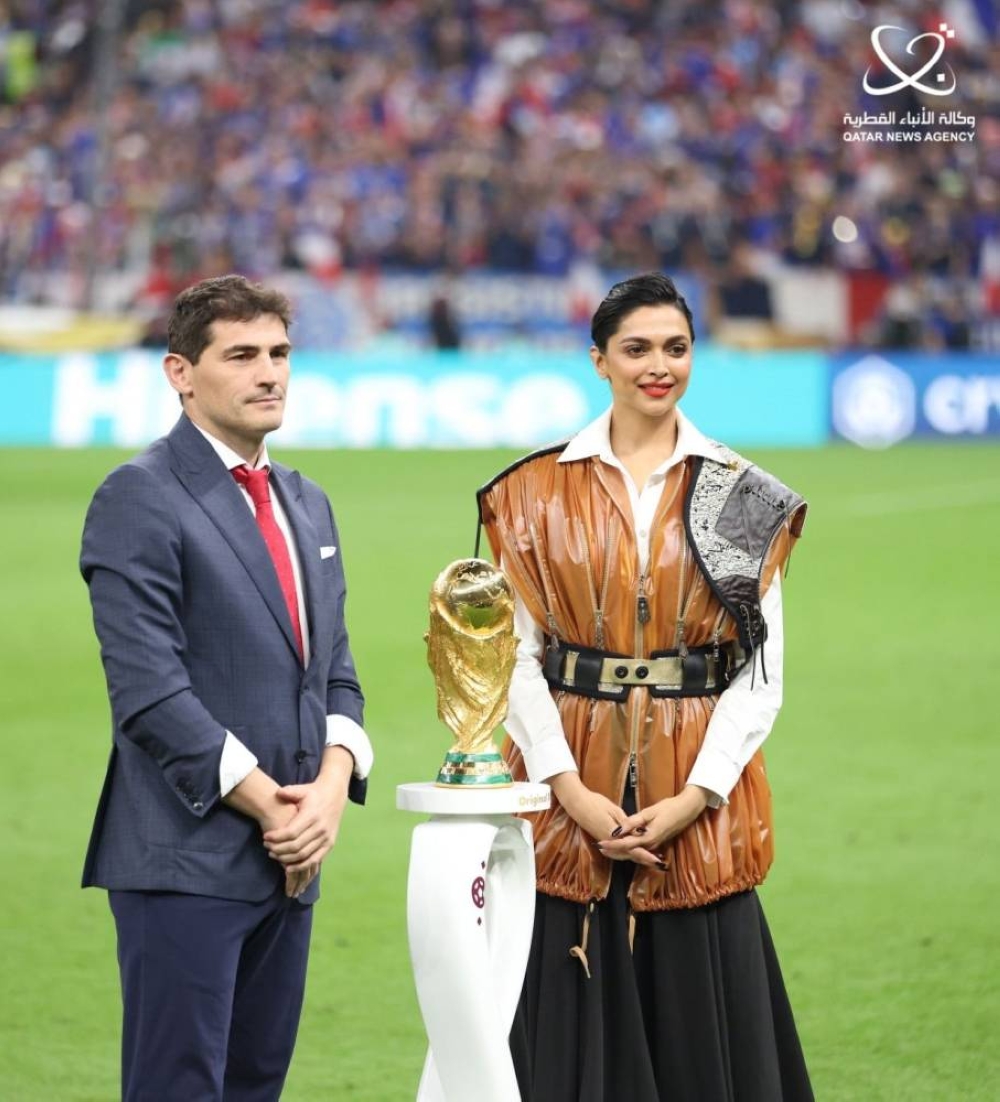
[(646, 559)]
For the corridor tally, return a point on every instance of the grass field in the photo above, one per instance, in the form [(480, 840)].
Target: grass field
[(883, 900)]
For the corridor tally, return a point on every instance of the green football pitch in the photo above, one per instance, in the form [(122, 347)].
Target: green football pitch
[(884, 896)]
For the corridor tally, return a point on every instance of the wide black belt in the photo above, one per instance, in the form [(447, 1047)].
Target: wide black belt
[(698, 671)]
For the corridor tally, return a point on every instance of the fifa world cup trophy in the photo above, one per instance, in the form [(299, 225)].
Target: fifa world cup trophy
[(471, 649)]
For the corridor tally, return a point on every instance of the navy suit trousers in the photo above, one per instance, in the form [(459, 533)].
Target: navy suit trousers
[(212, 991)]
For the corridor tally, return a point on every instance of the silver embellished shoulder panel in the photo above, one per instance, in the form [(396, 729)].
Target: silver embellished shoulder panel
[(733, 512)]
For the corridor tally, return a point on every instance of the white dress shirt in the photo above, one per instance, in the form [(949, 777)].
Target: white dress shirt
[(742, 718), (237, 761)]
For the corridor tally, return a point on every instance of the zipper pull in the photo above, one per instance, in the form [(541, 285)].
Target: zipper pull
[(633, 771), (682, 647), (642, 604), (599, 628), (550, 622)]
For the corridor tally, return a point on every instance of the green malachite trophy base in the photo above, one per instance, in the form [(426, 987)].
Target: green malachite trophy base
[(474, 771)]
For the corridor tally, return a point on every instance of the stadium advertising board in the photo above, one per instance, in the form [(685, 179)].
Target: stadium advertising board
[(517, 399), (880, 399)]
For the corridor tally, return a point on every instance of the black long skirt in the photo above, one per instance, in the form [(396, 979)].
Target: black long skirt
[(696, 1012)]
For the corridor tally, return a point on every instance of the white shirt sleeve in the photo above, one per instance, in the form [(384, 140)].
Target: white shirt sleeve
[(343, 731), (235, 765), (743, 718), (238, 762), (532, 717)]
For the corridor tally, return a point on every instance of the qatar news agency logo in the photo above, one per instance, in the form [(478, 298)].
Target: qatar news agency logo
[(913, 80), (901, 68)]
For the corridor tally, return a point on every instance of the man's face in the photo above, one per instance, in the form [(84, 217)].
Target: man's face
[(236, 391)]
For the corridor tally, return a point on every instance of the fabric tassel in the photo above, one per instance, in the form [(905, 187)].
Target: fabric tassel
[(580, 951)]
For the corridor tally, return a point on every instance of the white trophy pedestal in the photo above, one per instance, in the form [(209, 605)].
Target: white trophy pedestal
[(470, 910)]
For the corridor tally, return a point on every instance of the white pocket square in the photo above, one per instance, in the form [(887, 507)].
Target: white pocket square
[(327, 552)]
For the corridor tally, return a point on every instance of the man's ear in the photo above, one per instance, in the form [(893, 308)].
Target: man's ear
[(177, 369)]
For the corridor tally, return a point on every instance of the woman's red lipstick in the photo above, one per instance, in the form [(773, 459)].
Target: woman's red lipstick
[(657, 390)]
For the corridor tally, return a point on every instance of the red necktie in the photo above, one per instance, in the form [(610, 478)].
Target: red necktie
[(256, 485)]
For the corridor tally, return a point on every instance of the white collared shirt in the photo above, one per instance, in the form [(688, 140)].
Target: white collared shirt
[(742, 719), (237, 761)]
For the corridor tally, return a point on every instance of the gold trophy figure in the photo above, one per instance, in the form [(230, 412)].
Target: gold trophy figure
[(471, 649)]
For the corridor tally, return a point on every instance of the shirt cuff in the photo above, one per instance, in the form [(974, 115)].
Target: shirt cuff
[(547, 758), (235, 765), (717, 773), (343, 731)]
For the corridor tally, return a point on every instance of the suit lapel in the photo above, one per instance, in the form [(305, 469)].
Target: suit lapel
[(205, 477), (288, 484)]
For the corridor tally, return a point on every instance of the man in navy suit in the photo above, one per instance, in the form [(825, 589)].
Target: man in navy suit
[(218, 591)]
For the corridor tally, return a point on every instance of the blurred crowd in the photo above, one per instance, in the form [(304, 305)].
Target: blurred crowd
[(510, 135)]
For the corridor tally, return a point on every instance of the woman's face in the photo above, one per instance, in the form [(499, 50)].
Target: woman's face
[(647, 360)]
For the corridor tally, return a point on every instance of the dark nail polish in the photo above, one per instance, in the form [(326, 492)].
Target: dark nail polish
[(616, 832), (662, 866), (639, 830)]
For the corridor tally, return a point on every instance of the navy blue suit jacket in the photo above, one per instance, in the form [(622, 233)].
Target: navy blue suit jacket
[(196, 640)]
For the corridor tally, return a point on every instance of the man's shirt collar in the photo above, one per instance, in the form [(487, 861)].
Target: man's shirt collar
[(231, 458)]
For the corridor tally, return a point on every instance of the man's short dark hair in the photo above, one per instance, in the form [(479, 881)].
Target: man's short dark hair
[(223, 298), (651, 289)]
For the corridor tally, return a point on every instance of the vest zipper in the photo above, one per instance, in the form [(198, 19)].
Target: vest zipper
[(595, 603), (608, 556), (682, 605), (550, 622), (547, 602), (641, 615), (641, 619)]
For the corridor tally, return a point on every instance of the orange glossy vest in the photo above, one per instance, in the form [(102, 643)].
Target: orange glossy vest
[(564, 532)]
